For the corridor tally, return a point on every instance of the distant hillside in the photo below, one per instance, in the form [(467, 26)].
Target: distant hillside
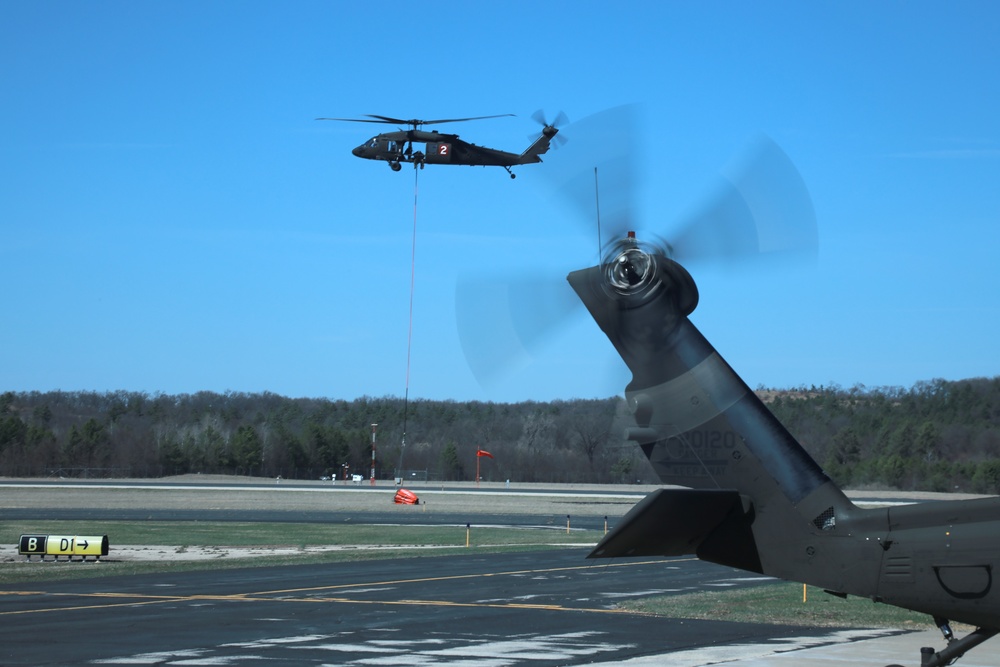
[(939, 436), (936, 436)]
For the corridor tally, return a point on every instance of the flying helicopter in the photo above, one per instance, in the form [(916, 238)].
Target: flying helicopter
[(421, 147), (752, 497)]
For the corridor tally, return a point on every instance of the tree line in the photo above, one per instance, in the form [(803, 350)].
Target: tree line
[(937, 435), (119, 434)]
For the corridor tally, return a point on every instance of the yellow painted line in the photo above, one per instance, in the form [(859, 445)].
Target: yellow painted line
[(450, 603), (455, 577), (20, 612), (311, 600), (140, 599)]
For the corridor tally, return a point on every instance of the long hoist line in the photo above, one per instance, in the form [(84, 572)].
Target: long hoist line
[(409, 332)]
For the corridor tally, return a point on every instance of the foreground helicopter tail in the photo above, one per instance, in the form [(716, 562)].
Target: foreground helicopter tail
[(757, 500), (702, 427)]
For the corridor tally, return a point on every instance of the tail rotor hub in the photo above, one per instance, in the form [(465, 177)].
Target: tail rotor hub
[(636, 273), (630, 269)]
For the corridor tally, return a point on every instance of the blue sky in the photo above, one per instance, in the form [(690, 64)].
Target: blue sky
[(174, 219)]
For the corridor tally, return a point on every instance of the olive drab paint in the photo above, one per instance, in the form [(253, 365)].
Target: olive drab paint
[(756, 499)]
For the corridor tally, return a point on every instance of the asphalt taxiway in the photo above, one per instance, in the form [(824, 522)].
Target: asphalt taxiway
[(480, 610), (491, 610), (537, 609)]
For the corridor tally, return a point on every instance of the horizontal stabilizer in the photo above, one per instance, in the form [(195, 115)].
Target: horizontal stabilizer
[(669, 522)]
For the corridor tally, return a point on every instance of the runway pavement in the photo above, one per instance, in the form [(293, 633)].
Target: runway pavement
[(487, 610), (854, 652), (483, 610), (540, 609)]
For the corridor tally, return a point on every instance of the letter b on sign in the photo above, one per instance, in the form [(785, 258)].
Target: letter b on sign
[(32, 544)]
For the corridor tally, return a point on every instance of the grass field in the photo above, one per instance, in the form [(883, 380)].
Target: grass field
[(356, 542), (223, 544), (781, 604)]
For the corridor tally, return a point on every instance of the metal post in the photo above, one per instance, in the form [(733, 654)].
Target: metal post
[(373, 454)]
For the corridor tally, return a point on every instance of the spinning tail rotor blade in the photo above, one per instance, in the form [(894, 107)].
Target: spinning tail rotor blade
[(560, 121), (502, 323), (604, 151), (760, 209)]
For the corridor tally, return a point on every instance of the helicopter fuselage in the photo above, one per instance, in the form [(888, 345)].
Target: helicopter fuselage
[(419, 147), (433, 148)]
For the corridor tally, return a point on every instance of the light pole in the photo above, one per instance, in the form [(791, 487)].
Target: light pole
[(373, 454)]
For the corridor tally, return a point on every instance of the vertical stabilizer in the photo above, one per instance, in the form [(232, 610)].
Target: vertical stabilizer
[(540, 146), (701, 426), (755, 499)]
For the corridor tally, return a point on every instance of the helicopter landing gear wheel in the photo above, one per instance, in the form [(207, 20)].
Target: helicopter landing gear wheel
[(395, 166), (512, 174), (955, 649)]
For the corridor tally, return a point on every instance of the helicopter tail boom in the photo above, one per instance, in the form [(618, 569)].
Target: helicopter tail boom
[(756, 499), (539, 147), (753, 488), (695, 419)]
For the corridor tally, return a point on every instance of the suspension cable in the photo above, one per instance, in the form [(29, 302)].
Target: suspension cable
[(409, 332)]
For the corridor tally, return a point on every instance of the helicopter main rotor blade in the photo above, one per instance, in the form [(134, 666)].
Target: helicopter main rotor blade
[(354, 120), (413, 122), (460, 120)]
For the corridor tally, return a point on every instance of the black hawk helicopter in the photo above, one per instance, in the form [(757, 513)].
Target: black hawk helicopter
[(755, 499), (420, 147)]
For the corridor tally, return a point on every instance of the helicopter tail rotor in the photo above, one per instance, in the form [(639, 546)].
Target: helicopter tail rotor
[(760, 212), (551, 130)]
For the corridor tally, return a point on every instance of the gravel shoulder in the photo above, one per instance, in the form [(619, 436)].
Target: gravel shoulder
[(192, 492), (209, 492), (240, 493)]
